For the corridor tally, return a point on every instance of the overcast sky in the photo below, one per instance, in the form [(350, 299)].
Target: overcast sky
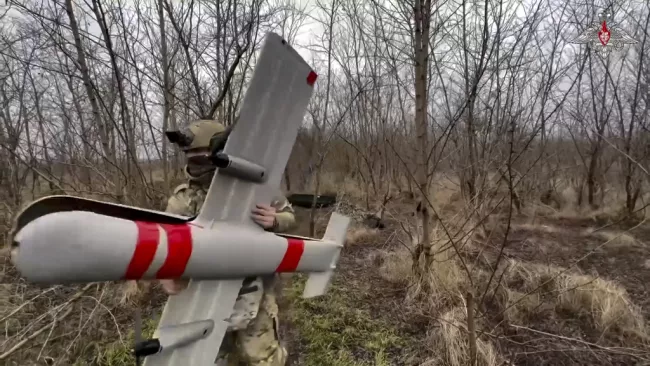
[(307, 31)]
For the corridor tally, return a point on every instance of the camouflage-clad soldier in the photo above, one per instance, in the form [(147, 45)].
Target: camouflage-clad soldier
[(253, 337)]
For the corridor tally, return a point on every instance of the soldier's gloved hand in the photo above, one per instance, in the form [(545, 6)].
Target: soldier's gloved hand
[(173, 287), (264, 215)]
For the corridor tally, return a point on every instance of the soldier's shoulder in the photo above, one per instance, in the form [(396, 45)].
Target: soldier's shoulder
[(178, 203), (181, 188)]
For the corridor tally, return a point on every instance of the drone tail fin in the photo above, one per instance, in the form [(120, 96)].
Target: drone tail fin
[(317, 283)]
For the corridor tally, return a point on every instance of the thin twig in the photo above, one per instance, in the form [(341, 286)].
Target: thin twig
[(71, 300), (98, 301), (471, 329), (48, 338), (618, 350), (35, 334), (13, 312)]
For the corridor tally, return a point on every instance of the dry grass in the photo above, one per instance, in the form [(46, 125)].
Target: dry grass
[(539, 227), (518, 307), (5, 303), (397, 266), (444, 281), (451, 338), (440, 291), (608, 213), (605, 303), (445, 193), (129, 292), (526, 293), (360, 235), (615, 239)]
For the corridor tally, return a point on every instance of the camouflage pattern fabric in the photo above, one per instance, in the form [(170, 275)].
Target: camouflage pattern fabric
[(188, 198), (258, 344), (253, 333)]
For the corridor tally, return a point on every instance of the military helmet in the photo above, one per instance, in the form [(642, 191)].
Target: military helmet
[(200, 138), (199, 141)]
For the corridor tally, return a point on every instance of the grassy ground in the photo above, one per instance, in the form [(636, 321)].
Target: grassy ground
[(118, 353), (335, 330), (350, 325)]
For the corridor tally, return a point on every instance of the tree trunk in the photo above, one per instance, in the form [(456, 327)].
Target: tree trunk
[(85, 74), (422, 13), (166, 93)]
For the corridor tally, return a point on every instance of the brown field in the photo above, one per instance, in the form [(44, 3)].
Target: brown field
[(567, 295)]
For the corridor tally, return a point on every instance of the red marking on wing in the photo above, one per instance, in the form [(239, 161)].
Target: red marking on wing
[(179, 250), (292, 256), (311, 78), (145, 250)]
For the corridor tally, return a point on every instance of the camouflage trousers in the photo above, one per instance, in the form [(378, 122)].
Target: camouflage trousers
[(259, 343)]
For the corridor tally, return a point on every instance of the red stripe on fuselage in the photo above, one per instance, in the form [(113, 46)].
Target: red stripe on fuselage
[(179, 250), (292, 256), (145, 250)]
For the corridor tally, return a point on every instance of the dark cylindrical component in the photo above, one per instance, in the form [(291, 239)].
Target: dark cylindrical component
[(239, 168), (147, 348), (221, 160)]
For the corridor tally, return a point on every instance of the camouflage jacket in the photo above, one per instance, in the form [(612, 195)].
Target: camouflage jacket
[(187, 200)]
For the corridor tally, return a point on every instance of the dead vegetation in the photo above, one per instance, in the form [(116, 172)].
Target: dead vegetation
[(525, 294)]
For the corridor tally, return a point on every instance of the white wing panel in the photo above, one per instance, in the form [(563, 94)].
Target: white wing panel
[(272, 111)]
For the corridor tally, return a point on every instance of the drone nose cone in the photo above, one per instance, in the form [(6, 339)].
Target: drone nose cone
[(75, 246)]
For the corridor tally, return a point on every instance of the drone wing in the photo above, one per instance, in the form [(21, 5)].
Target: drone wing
[(271, 114)]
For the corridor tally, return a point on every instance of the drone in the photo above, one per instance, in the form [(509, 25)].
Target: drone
[(65, 239)]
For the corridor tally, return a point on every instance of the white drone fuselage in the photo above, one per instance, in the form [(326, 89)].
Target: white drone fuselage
[(92, 247)]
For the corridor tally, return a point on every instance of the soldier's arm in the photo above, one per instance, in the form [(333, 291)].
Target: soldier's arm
[(284, 215)]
